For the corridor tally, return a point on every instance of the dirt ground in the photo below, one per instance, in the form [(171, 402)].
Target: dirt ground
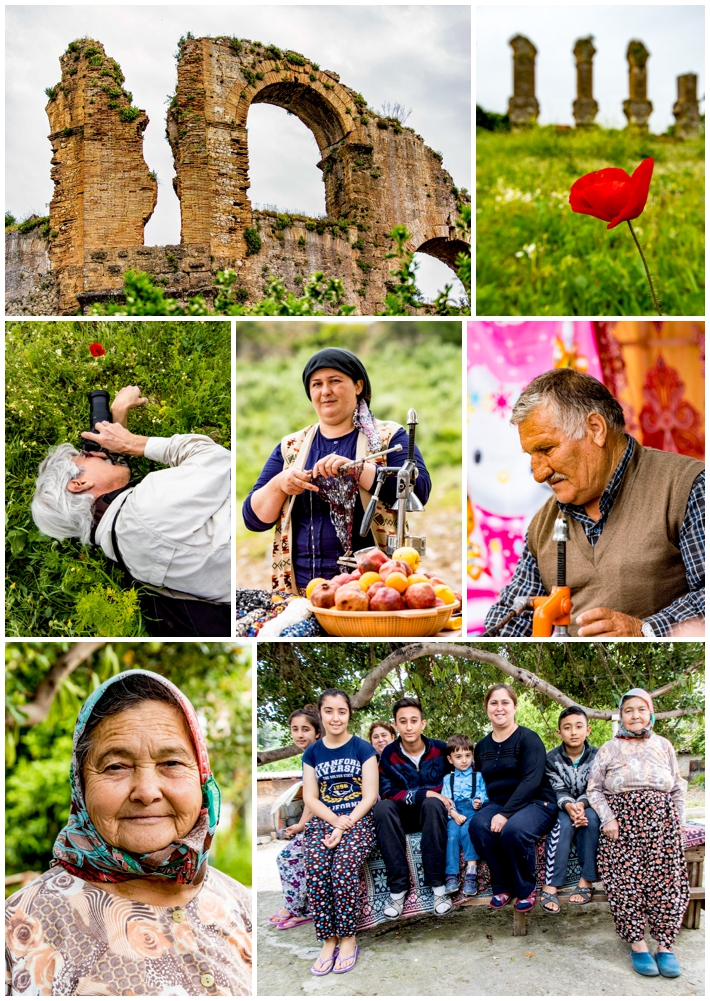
[(471, 952)]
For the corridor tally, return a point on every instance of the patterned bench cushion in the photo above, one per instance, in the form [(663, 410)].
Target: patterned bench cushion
[(374, 894)]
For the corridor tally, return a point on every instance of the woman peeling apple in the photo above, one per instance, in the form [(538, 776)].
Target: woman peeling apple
[(306, 544)]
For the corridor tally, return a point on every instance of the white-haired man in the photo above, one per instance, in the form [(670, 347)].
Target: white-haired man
[(169, 531), (636, 555)]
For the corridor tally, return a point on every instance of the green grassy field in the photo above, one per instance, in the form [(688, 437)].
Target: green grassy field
[(570, 264), (63, 588), (415, 364)]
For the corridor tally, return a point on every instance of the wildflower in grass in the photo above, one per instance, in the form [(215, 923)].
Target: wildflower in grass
[(96, 350), (611, 195)]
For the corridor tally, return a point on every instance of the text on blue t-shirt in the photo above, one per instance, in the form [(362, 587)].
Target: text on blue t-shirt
[(339, 772)]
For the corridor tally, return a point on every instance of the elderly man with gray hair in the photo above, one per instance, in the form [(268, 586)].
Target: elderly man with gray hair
[(169, 532), (636, 555)]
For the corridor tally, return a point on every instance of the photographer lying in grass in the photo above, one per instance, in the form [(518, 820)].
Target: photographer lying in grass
[(169, 531)]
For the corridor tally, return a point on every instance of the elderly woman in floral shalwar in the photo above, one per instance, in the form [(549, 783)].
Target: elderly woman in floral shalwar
[(636, 788), (130, 905)]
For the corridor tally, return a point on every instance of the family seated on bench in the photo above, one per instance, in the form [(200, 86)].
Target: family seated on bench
[(493, 803)]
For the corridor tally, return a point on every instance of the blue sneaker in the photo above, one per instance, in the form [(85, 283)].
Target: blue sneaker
[(470, 884), (668, 965), (644, 963), (452, 884)]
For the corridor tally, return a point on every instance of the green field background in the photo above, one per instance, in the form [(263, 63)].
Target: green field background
[(578, 267)]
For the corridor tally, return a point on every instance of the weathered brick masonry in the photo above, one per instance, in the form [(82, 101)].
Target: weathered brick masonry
[(377, 174)]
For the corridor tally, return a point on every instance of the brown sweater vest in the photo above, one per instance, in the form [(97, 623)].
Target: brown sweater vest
[(636, 566)]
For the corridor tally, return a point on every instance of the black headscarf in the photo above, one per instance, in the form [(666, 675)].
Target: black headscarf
[(343, 361)]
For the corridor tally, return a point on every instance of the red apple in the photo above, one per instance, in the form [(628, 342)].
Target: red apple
[(356, 574), (342, 578), (386, 599), (374, 587), (420, 596), (323, 595), (439, 602)]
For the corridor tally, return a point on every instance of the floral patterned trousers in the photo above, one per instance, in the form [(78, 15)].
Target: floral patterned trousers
[(644, 871), (333, 875), (293, 877)]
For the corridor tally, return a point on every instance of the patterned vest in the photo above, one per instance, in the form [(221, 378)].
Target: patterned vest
[(295, 449)]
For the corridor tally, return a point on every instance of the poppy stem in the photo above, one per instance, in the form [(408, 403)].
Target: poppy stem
[(648, 273)]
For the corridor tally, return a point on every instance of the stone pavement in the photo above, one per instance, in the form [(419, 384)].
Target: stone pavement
[(471, 952)]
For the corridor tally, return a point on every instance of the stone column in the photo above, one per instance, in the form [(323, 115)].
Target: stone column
[(686, 108), (638, 108), (523, 108), (585, 108)]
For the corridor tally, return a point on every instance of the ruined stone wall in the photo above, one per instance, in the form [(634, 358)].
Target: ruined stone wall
[(31, 286), (377, 175)]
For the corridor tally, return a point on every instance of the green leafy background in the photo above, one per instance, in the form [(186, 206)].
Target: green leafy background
[(452, 690)]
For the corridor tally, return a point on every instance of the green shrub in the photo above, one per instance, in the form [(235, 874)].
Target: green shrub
[(294, 58), (33, 223), (252, 240), (51, 93), (9, 219)]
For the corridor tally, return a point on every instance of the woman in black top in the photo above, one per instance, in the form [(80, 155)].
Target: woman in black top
[(521, 806)]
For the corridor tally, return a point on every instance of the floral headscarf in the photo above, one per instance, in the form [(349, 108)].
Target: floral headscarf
[(82, 851), (625, 734)]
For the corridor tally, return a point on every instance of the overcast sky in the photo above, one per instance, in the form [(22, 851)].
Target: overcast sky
[(674, 35), (419, 56)]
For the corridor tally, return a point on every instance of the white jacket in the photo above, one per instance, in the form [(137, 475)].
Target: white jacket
[(174, 529)]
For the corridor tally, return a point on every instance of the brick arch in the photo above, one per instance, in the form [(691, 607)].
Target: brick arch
[(323, 113), (444, 250)]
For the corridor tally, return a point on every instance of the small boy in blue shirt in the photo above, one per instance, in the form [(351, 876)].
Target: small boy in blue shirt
[(467, 790)]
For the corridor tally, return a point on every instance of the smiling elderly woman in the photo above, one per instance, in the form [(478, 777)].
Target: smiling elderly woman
[(130, 905), (307, 546)]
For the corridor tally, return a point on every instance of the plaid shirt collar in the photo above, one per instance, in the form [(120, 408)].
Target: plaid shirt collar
[(593, 529)]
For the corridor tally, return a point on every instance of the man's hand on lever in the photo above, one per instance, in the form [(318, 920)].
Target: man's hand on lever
[(605, 622)]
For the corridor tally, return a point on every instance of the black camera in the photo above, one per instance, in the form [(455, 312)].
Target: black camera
[(99, 410)]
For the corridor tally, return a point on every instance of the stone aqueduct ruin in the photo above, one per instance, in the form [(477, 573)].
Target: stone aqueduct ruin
[(377, 174)]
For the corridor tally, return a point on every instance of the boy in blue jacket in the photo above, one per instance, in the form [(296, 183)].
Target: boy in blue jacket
[(412, 770), (468, 791)]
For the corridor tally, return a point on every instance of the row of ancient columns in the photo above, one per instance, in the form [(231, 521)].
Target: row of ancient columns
[(523, 107)]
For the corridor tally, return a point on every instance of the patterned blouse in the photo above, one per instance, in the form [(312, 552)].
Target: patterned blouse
[(624, 765), (67, 937)]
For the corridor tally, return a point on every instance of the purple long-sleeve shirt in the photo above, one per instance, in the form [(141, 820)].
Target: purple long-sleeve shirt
[(316, 548)]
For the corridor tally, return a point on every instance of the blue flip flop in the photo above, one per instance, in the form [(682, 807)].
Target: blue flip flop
[(644, 963)]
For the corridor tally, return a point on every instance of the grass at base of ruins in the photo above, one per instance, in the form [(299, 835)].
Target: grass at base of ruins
[(570, 264)]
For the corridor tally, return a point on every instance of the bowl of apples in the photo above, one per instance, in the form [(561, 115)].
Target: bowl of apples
[(385, 596)]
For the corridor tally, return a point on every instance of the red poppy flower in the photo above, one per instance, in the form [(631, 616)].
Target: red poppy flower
[(610, 194), (96, 350)]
